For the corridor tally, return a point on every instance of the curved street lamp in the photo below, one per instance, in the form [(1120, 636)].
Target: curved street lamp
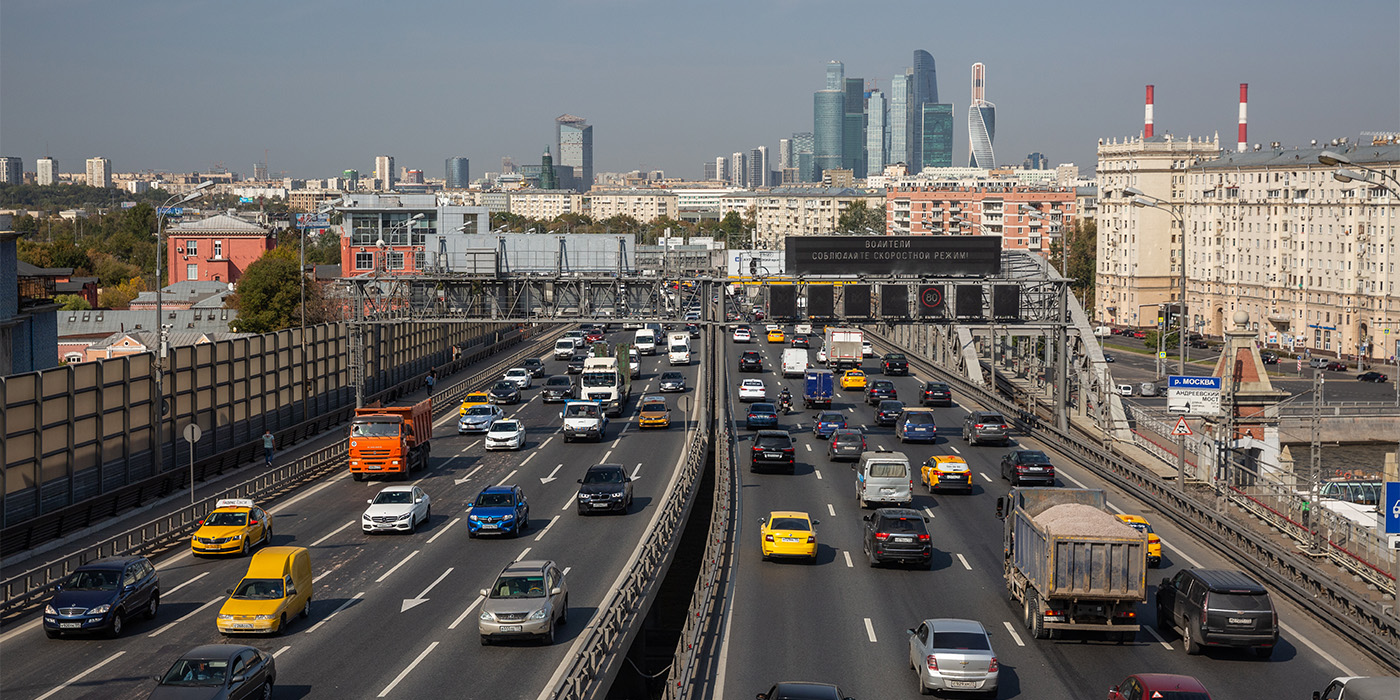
[(162, 329)]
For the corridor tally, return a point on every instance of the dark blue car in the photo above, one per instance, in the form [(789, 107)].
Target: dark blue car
[(499, 510), (827, 423), (762, 415), (916, 425), (101, 595)]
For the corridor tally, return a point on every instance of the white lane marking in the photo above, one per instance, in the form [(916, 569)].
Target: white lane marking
[(403, 561), (1015, 637), (869, 630), (546, 528), (809, 447), (1073, 480), (1114, 508), (818, 472), (465, 613), (1316, 649), (527, 459), (605, 456), (569, 503), (566, 570), (444, 529), (283, 506), (410, 603), (1184, 555), (849, 565), (324, 574), (507, 479), (954, 449), (343, 606), (1165, 645), (187, 616), (169, 592), (546, 441), (82, 675), (852, 410), (963, 559), (332, 533), (547, 479), (407, 670), (636, 472), (928, 512), (281, 651), (984, 476), (523, 552), (469, 475)]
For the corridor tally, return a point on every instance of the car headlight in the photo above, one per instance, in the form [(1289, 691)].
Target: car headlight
[(48, 610), (265, 617), (508, 517), (539, 614), (235, 538), (487, 617), (366, 517), (101, 609), (473, 518), (222, 616), (405, 516)]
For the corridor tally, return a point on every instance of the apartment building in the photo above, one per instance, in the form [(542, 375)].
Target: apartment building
[(642, 205), (545, 204), (1026, 217), (797, 211)]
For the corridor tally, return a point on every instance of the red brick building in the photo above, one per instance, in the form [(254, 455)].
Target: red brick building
[(1026, 217), (216, 249)]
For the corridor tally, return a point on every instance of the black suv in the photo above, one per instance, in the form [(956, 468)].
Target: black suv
[(751, 361), (773, 447), (101, 595), (895, 364), (1217, 607), (898, 534), (936, 394), (887, 412), (575, 365), (558, 388), (879, 390), (1268, 357), (604, 487)]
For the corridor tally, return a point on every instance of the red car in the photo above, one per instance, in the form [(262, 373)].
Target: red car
[(1139, 334), (1159, 686), (593, 336)]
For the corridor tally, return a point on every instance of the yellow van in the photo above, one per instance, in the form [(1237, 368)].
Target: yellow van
[(276, 588)]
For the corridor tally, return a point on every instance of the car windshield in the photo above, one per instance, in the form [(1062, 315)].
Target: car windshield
[(1140, 527), (992, 418), (902, 525), (259, 589), (831, 418), (762, 408), (226, 520), (599, 379), (772, 442), (789, 524), (971, 641), (517, 372), (503, 387), (603, 476), (668, 376), (196, 672), (1034, 457), (918, 419), (494, 500), (847, 436), (559, 381), (891, 406), (936, 387), (888, 470), (393, 497), (751, 355), (894, 356), (94, 581), (654, 407), (481, 411), (884, 384), (528, 586), (1239, 601), (505, 426), (368, 429), (581, 411)]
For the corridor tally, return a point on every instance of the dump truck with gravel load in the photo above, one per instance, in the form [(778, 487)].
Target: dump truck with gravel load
[(1072, 564)]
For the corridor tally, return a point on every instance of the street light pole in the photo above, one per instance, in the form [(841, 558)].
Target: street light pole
[(162, 335), (1145, 200)]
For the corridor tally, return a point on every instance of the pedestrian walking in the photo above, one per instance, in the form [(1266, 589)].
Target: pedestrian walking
[(430, 381), (268, 443)]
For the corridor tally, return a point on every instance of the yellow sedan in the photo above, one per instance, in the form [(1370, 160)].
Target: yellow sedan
[(776, 335), (233, 527), (947, 472), (853, 379), (1154, 543), (788, 534)]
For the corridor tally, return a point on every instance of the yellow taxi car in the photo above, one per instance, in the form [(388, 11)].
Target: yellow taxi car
[(233, 527), (788, 534), (853, 379), (1154, 543), (775, 335), (946, 472), (476, 398), (653, 413)]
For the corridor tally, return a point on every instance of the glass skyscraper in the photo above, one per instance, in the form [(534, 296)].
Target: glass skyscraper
[(853, 128), (828, 116), (981, 122), (458, 173), (875, 121), (924, 86), (802, 155), (574, 139), (900, 121), (937, 126)]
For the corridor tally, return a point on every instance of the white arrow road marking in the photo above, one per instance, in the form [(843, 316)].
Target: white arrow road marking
[(80, 676), (465, 613), (546, 528), (464, 479), (410, 603), (636, 472), (507, 479), (547, 479)]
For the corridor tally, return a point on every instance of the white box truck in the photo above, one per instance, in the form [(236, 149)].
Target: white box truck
[(843, 347), (678, 348), (794, 362)]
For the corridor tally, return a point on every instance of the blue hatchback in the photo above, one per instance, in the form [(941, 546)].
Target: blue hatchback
[(762, 415), (499, 510), (101, 595), (827, 423)]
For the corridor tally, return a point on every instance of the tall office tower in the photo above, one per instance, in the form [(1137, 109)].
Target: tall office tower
[(260, 171), (900, 120), (721, 169), (802, 155), (828, 117), (99, 172), (1036, 161), (758, 167), (876, 129), (47, 171), (835, 75), (784, 154), (575, 142), (507, 165), (11, 170), (459, 174), (738, 170), (853, 128), (924, 89), (352, 180), (936, 120), (981, 122), (710, 173), (384, 171), (548, 180)]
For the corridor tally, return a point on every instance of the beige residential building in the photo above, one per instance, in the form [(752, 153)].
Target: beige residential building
[(642, 205), (545, 204), (780, 212), (1138, 248), (99, 172)]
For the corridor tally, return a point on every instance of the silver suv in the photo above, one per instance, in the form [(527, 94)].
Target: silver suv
[(986, 426), (527, 601)]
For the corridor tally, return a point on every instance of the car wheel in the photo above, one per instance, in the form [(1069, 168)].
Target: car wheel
[(357, 476), (412, 526), (548, 637), (243, 550), (923, 689), (870, 557), (305, 609), (485, 641), (1188, 639), (115, 628), (153, 606), (267, 691), (1037, 621), (281, 625)]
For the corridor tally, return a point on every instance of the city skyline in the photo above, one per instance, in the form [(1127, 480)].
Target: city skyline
[(1080, 81)]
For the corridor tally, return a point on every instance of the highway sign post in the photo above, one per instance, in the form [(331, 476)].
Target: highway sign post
[(1392, 507), (1181, 429), (192, 435), (1198, 396)]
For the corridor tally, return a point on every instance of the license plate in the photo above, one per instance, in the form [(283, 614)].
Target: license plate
[(771, 455), (904, 539), (962, 684), (789, 539), (600, 505), (511, 628), (239, 625), (488, 526), (70, 625), (1241, 621), (886, 490)]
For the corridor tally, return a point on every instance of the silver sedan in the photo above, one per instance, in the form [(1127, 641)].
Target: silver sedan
[(951, 654)]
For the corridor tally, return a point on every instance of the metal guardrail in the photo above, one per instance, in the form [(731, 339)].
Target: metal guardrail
[(605, 639), (1283, 568), (21, 590), (1335, 409)]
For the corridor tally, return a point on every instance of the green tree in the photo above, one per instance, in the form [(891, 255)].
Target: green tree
[(323, 249), (268, 296), (736, 234), (1083, 261), (1169, 344), (72, 302), (119, 296), (859, 216)]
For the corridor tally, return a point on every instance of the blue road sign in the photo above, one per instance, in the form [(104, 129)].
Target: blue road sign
[(171, 211), (1392, 507), (1180, 382)]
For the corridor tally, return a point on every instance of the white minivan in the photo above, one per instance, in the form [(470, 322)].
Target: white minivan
[(564, 348), (884, 478), (794, 362), (645, 341)]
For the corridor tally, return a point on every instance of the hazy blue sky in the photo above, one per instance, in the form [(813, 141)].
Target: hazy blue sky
[(325, 86)]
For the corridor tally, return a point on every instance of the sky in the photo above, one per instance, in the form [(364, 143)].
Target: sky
[(318, 87)]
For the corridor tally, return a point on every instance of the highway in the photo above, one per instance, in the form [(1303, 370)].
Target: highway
[(396, 615), (841, 621)]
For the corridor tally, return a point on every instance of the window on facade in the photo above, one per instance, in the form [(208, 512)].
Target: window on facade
[(218, 249), (364, 261), (418, 258), (192, 271), (191, 247), (395, 260)]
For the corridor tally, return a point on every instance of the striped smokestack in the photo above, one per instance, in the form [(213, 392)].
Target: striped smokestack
[(1244, 126), (1147, 115)]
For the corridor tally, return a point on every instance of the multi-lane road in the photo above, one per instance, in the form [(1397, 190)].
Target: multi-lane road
[(841, 621), (396, 615)]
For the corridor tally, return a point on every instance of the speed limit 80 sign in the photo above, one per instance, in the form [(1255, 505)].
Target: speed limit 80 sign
[(931, 299)]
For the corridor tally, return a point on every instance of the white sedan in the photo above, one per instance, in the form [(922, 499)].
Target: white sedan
[(519, 376), (821, 356), (397, 509), (753, 390), (506, 435), (742, 335)]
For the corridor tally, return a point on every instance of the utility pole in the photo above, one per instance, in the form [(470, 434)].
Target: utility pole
[(1318, 540)]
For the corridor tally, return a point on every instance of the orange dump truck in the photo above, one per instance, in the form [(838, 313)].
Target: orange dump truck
[(390, 440)]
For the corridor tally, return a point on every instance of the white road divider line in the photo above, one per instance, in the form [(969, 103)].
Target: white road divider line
[(167, 593), (546, 528), (527, 459), (928, 511), (332, 533), (954, 449), (566, 570), (281, 651), (469, 475), (187, 616), (323, 574), (1165, 645), (546, 441), (1316, 649), (570, 503), (818, 472), (283, 506), (403, 561), (1114, 508), (522, 554), (1184, 555), (849, 565), (410, 603), (963, 559), (605, 456), (984, 476), (82, 675), (343, 606), (1073, 480), (869, 630), (465, 613), (809, 447), (407, 670), (507, 479), (1014, 637), (444, 529)]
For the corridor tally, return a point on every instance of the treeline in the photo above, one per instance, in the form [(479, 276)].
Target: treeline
[(733, 228)]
